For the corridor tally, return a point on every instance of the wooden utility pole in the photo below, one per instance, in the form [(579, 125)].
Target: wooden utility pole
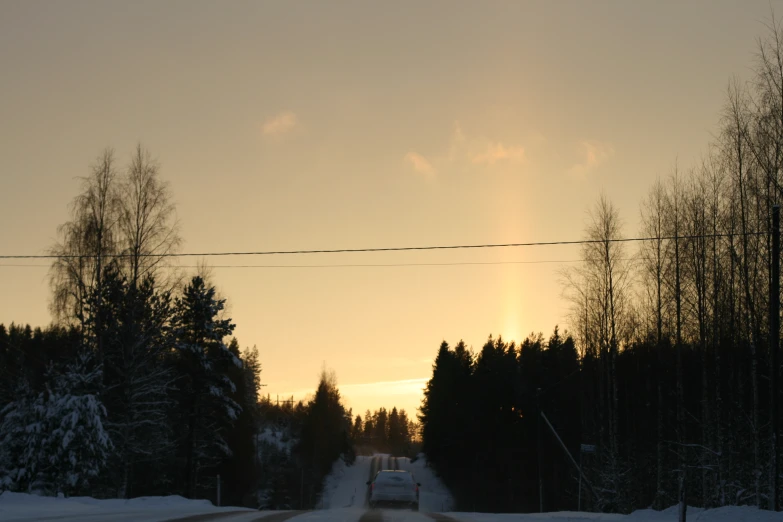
[(774, 347), (538, 440)]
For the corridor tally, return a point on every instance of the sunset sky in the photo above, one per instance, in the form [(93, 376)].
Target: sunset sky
[(325, 125)]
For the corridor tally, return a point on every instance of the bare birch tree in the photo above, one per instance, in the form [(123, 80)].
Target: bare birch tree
[(147, 219), (86, 242)]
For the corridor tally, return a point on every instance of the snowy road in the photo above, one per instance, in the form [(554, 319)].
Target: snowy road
[(344, 500), (346, 487), (333, 515)]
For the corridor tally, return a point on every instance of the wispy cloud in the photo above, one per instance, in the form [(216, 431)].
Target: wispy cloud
[(457, 142), (466, 150), (594, 153), (401, 387), (496, 152), (421, 164), (280, 124)]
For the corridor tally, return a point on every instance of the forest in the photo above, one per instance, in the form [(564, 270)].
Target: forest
[(671, 365), (139, 387)]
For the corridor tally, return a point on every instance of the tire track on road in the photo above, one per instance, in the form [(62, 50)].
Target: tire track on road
[(371, 516), (374, 465), (279, 517), (229, 515), (440, 517), (210, 516)]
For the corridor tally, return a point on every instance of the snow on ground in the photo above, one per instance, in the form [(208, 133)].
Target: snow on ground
[(20, 507), (328, 515), (280, 439), (396, 515), (343, 500), (346, 486), (562, 516), (725, 514), (25, 507), (433, 495)]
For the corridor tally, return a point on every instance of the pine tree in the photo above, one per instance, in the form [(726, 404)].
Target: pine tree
[(357, 432), (206, 409), (448, 427), (369, 428), (405, 435), (381, 434), (324, 434), (396, 441), (137, 376), (239, 469)]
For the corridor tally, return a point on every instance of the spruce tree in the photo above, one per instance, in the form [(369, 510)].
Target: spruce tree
[(75, 447), (240, 467), (204, 388)]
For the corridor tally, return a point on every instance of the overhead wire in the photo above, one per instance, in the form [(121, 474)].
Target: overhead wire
[(351, 265), (383, 249)]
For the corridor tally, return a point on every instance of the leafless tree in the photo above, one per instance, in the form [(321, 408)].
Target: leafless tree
[(600, 290), (147, 220), (653, 255), (86, 242), (740, 168)]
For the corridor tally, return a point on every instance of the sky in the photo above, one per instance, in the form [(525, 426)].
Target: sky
[(354, 124)]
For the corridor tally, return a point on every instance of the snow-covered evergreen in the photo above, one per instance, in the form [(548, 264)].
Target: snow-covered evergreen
[(55, 441), (22, 422), (138, 377)]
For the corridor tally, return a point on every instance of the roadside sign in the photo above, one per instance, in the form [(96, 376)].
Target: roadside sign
[(588, 448)]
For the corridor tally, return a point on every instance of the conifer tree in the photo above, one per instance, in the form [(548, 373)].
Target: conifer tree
[(204, 388)]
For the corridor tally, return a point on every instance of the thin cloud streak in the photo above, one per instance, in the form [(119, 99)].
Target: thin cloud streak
[(280, 124), (420, 164), (401, 387), (594, 153), (498, 152), (373, 389)]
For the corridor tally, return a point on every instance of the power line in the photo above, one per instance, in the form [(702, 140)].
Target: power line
[(387, 249), (356, 265)]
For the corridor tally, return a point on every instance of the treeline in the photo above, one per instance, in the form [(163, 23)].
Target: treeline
[(139, 387), (386, 432), (479, 422), (164, 416), (298, 443), (677, 363)]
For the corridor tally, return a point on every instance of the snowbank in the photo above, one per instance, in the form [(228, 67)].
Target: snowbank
[(724, 514), (22, 507), (561, 516), (346, 486), (433, 495)]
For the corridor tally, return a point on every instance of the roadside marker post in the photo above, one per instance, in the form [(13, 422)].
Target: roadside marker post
[(584, 448)]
